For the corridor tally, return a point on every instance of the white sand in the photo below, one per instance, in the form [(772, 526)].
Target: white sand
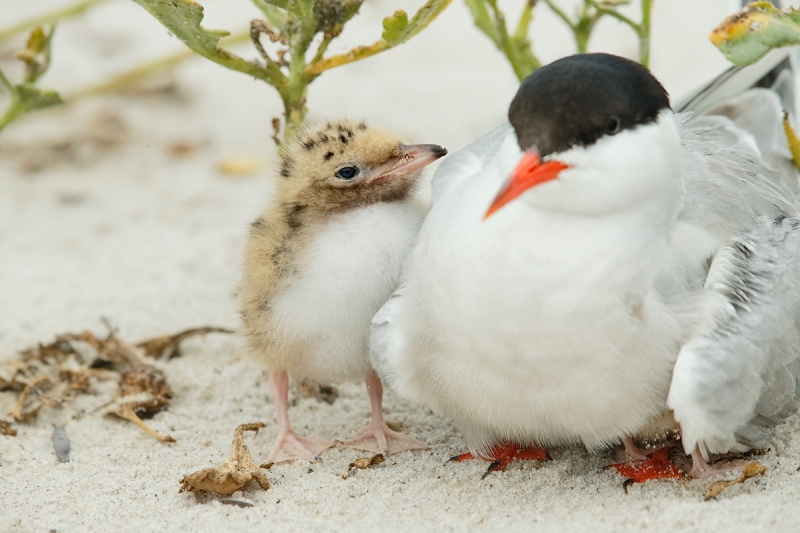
[(153, 242)]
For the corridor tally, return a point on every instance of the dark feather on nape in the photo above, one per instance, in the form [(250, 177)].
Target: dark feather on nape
[(362, 126), (294, 213), (287, 166), (258, 225)]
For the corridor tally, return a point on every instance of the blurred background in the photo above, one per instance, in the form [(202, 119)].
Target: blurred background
[(134, 205)]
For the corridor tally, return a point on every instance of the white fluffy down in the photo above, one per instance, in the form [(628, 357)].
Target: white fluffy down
[(342, 278)]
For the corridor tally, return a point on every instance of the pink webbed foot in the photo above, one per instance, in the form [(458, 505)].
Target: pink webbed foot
[(290, 446), (503, 455), (379, 438), (701, 469)]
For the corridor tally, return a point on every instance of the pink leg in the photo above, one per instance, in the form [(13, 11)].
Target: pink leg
[(289, 446), (701, 469), (634, 453), (377, 437)]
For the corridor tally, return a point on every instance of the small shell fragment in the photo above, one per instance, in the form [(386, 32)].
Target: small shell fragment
[(61, 444)]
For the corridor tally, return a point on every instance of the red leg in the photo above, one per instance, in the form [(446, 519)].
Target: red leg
[(503, 454)]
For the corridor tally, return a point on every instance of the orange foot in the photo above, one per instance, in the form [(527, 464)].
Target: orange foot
[(503, 454), (657, 465)]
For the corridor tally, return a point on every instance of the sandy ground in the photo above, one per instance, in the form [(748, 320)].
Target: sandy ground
[(101, 216)]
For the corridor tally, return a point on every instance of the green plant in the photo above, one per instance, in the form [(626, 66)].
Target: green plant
[(26, 96), (517, 46), (292, 26)]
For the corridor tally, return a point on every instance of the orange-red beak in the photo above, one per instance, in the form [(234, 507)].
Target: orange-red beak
[(529, 173)]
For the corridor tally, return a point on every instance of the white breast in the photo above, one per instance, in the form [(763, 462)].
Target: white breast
[(343, 277), (518, 330)]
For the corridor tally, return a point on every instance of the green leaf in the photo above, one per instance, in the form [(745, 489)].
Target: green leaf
[(183, 18), (747, 36), (275, 12), (395, 27), (31, 98)]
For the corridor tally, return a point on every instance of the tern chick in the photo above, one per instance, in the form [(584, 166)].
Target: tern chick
[(322, 260)]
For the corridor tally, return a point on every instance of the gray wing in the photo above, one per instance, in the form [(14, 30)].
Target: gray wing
[(736, 376), (735, 81), (468, 161), (384, 342)]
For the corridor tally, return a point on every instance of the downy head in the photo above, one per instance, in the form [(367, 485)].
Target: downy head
[(345, 164), (598, 135)]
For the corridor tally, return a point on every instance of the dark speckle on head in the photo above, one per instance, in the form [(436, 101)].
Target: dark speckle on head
[(344, 138), (323, 138), (258, 225), (328, 156), (308, 144), (577, 100), (362, 126), (287, 165)]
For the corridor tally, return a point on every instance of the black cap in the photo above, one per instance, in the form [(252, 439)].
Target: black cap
[(576, 100)]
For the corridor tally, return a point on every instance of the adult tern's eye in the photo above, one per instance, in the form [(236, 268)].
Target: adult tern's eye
[(347, 173), (613, 125)]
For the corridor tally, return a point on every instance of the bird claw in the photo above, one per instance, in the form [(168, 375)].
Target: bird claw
[(379, 438), (291, 446), (502, 455)]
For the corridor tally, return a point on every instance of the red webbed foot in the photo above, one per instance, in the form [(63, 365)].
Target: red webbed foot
[(656, 466), (502, 455)]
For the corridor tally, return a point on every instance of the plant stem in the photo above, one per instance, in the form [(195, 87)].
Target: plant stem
[(517, 47), (424, 16), (644, 33), (14, 109), (642, 29), (48, 18)]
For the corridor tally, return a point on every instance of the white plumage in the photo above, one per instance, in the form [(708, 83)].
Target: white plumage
[(658, 275), (342, 277)]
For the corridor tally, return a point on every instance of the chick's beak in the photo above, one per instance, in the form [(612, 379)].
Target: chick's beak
[(411, 157), (529, 172)]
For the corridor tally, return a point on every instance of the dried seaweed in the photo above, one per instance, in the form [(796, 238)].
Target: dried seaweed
[(166, 347), (6, 429), (363, 463), (238, 470), (50, 375), (750, 470)]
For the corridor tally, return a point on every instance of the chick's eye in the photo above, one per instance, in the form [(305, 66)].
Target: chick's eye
[(347, 173), (613, 125)]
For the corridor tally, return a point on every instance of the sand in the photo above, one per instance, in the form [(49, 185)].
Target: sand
[(101, 216)]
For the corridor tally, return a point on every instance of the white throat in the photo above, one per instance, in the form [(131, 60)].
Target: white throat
[(635, 169)]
